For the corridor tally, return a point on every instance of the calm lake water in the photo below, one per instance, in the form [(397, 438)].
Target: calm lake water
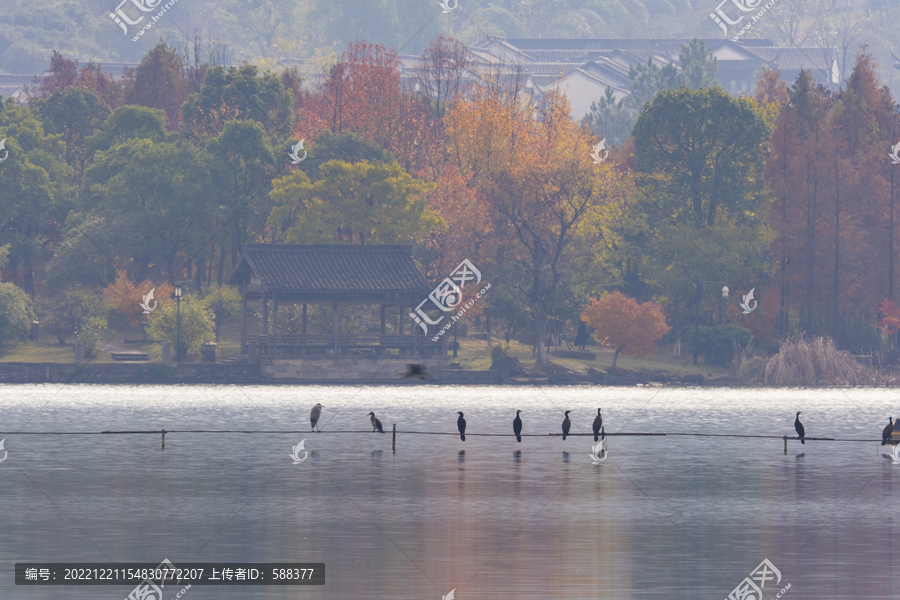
[(663, 517)]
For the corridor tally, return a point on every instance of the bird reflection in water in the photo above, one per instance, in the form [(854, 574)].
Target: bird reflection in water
[(517, 456), (461, 455), (566, 457)]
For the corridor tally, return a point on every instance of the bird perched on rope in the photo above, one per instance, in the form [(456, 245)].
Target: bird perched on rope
[(415, 372), (887, 431), (461, 425), (517, 427), (598, 423), (376, 424), (566, 425), (801, 431), (314, 415)]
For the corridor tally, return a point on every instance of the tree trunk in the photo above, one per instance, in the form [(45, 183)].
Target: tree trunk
[(236, 247), (209, 270), (198, 279), (811, 252), (221, 274), (616, 355), (678, 329), (835, 294), (540, 331)]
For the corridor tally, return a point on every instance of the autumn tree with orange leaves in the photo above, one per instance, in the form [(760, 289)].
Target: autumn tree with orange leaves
[(532, 165), (623, 322), (833, 206), (126, 297), (363, 93)]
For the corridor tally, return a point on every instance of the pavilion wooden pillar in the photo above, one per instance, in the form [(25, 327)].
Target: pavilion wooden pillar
[(382, 319), (274, 323), (415, 332), (265, 311), (400, 310), (334, 328), (303, 331), (244, 319)]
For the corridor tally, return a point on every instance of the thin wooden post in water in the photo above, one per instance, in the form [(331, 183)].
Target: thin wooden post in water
[(163, 439), (394, 439), (785, 444)]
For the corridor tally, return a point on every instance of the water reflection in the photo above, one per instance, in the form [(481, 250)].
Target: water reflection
[(674, 517)]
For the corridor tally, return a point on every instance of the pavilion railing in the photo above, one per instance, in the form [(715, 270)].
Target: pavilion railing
[(343, 342)]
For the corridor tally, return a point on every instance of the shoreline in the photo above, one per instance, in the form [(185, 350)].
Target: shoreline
[(219, 373)]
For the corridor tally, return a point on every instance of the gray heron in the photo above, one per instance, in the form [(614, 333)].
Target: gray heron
[(314, 415)]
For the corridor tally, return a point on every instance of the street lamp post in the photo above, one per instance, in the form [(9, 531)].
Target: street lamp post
[(178, 321), (700, 285), (722, 305)]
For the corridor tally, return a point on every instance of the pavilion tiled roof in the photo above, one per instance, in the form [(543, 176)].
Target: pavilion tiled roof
[(330, 270)]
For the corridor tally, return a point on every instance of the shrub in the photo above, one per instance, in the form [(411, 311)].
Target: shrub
[(224, 304), (91, 335), (71, 310), (16, 314), (196, 324), (498, 352), (718, 345)]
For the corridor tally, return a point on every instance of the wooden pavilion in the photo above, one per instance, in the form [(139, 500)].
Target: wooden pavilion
[(331, 275)]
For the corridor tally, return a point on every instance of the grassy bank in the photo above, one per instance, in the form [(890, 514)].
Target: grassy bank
[(473, 353)]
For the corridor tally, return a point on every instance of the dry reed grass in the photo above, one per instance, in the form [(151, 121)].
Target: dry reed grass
[(803, 361)]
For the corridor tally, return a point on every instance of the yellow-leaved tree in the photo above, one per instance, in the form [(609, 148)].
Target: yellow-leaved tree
[(532, 165), (632, 327)]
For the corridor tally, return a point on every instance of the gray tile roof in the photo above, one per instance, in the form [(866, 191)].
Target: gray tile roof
[(809, 57), (330, 270)]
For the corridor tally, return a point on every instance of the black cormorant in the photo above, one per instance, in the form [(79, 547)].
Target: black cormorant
[(461, 425), (887, 431), (598, 423), (376, 424), (517, 426), (801, 431), (314, 415), (567, 424)]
